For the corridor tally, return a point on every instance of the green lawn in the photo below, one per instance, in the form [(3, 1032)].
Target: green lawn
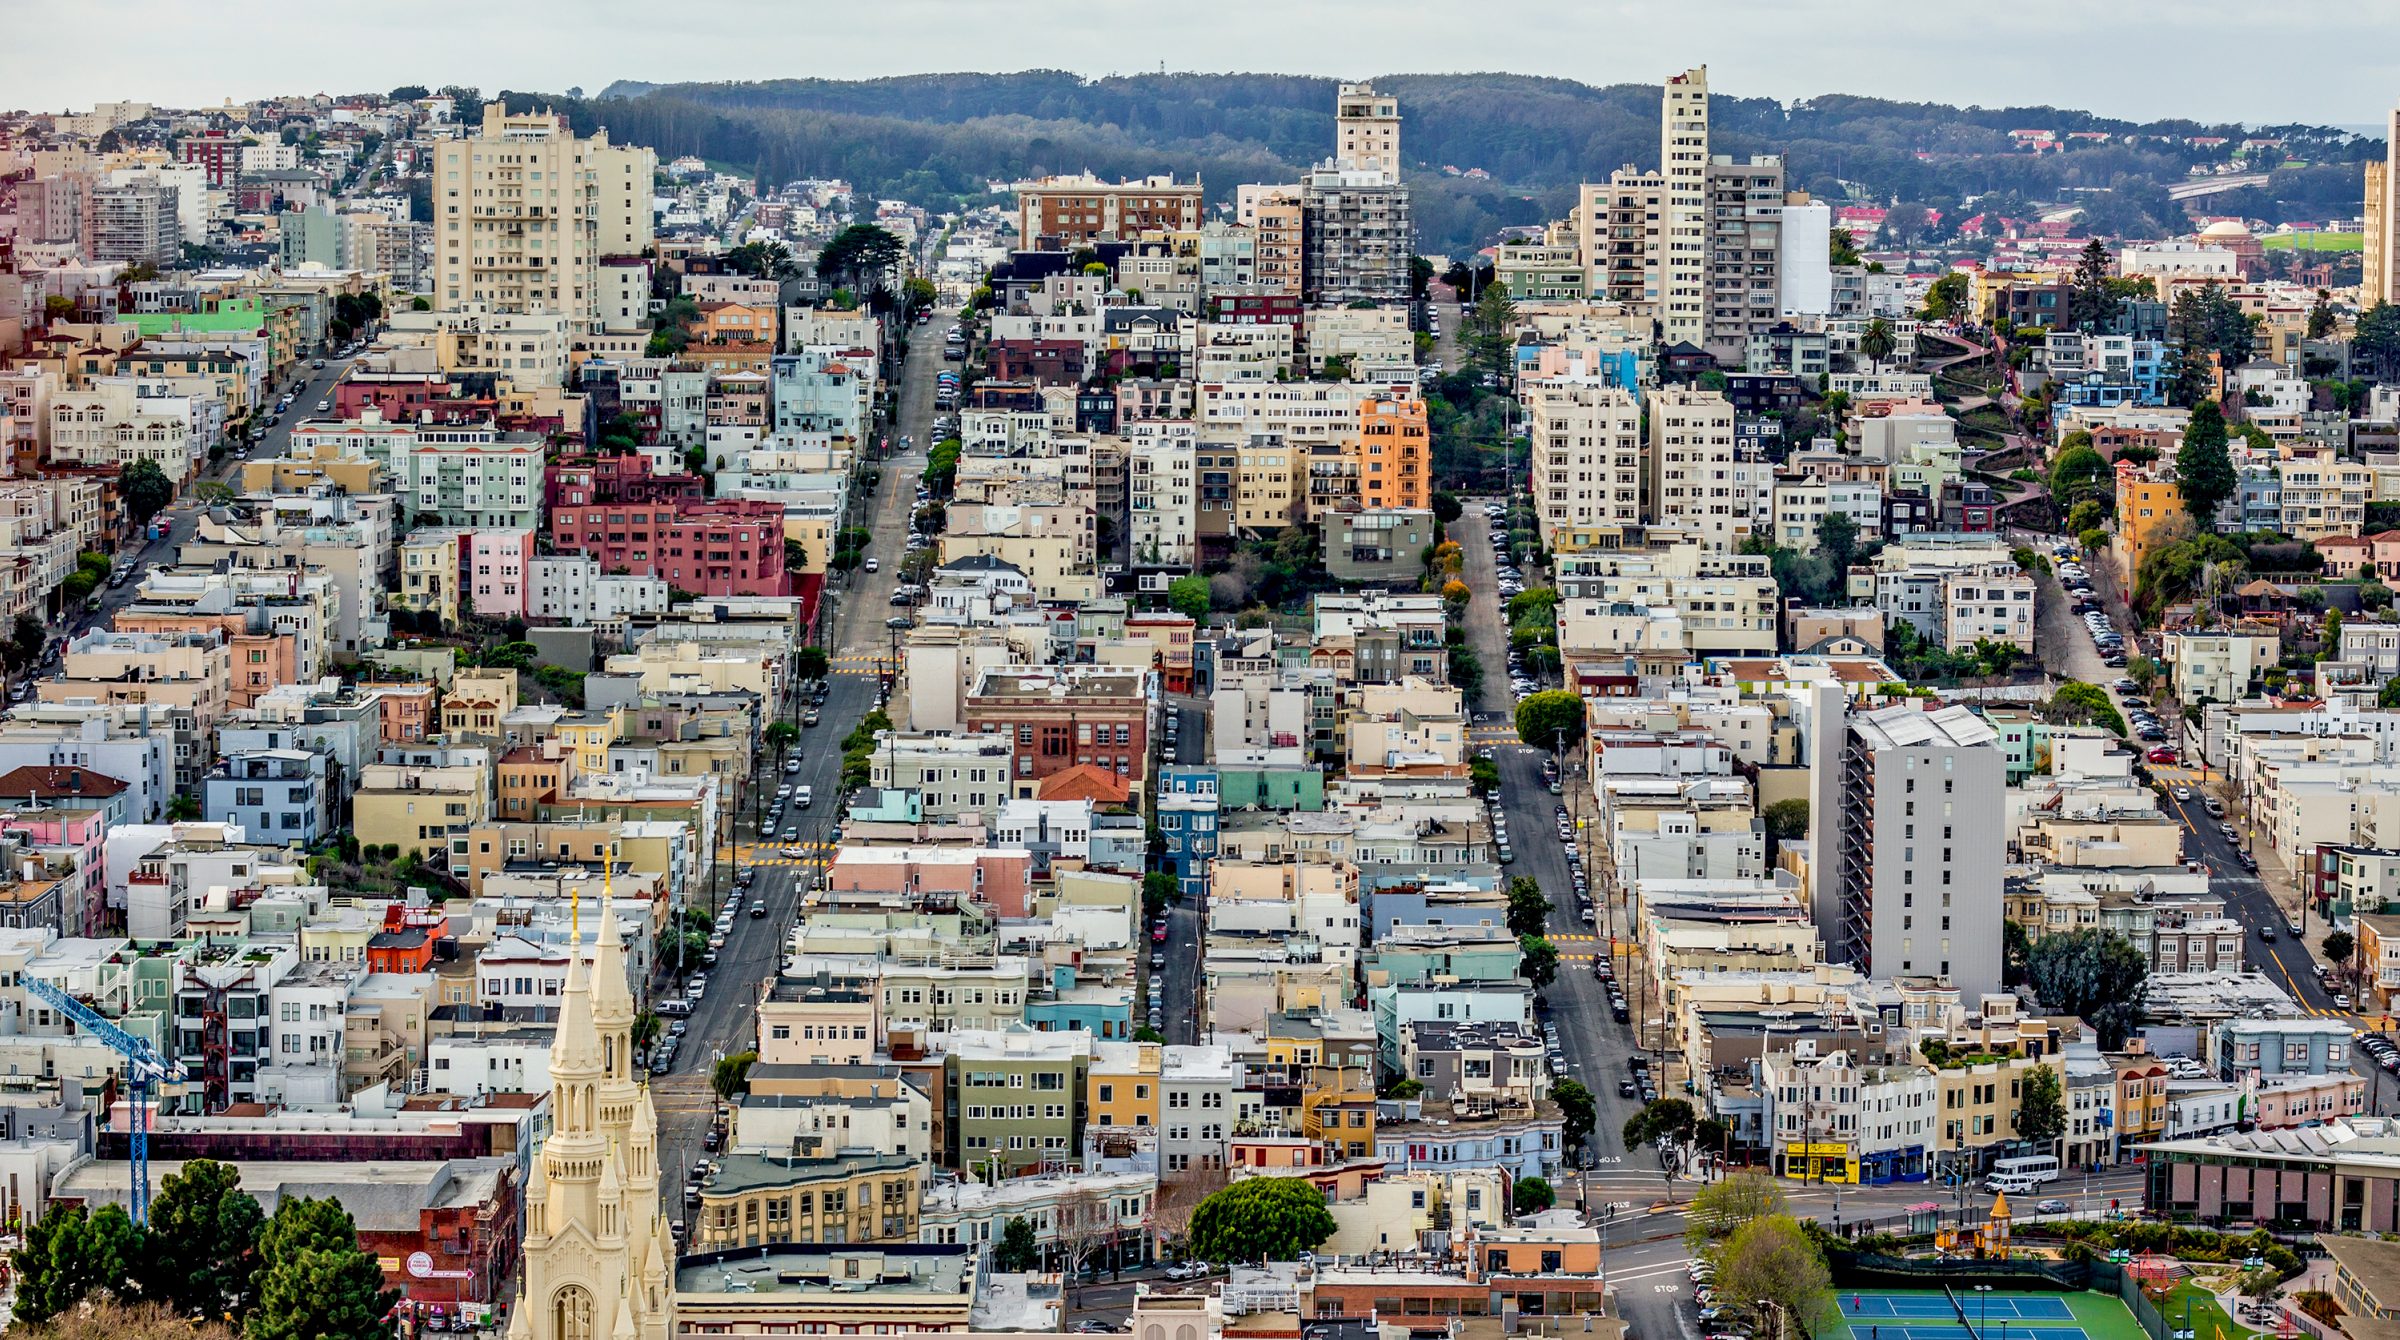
[(2314, 241), (2104, 1316), (2209, 1320)]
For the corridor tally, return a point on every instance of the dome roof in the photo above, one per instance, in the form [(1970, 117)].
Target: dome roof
[(2225, 228)]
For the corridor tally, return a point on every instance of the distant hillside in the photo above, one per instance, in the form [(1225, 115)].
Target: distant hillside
[(938, 136)]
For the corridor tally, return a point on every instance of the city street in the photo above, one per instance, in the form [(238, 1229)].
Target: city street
[(1187, 918), (725, 1019)]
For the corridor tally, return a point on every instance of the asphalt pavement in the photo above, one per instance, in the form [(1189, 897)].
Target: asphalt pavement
[(724, 1020)]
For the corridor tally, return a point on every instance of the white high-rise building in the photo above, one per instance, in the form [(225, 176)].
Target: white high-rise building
[(525, 213), (1683, 162)]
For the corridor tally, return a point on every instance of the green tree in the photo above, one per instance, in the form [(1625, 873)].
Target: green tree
[(313, 1282), (1544, 718), (1774, 1260), (1539, 964), (2338, 946), (860, 256), (1260, 1219), (1528, 907), (2041, 1107), (1533, 1195), (1837, 542), (2320, 317), (144, 489), (1017, 1251), (646, 1028), (1446, 506), (1483, 776), (1787, 820), (2078, 473), (2015, 949), (1158, 889), (919, 295), (732, 1075), (780, 735), (1728, 1203), (73, 1253), (2209, 332), (202, 1256), (2079, 704), (1577, 1113), (811, 663), (1188, 596), (1947, 298), (2375, 342), (2091, 303), (1841, 247), (26, 638), (1877, 342), (1668, 1118), (2203, 469), (2096, 974), (1490, 330)]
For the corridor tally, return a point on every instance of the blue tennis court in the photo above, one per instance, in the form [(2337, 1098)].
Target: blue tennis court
[(1906, 1308), (1933, 1314)]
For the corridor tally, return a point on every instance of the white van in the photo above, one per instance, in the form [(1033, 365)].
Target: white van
[(802, 795), (2013, 1186)]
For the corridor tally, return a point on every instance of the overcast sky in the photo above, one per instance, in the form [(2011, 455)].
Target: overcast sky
[(2324, 63)]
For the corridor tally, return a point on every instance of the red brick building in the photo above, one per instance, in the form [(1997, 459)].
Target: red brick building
[(412, 397), (1046, 362), (1062, 717), (220, 155), (576, 481), (721, 547)]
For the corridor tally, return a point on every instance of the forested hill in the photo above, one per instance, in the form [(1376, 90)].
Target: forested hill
[(927, 137)]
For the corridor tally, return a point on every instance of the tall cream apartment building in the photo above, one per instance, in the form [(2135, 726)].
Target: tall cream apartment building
[(1619, 229), (2380, 266), (1367, 130), (526, 213), (1697, 245), (1587, 453), (1683, 164), (1692, 483), (1279, 235)]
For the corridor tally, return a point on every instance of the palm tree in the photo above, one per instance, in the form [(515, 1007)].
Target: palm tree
[(1876, 343), (781, 735)]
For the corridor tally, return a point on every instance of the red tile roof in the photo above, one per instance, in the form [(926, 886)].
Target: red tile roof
[(53, 782)]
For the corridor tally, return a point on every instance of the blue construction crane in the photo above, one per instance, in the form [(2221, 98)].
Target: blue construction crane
[(144, 1067)]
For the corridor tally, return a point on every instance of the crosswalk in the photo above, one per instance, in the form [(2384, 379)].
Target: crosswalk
[(752, 851)]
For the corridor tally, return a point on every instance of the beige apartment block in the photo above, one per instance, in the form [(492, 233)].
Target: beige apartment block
[(525, 211), (1587, 453), (1691, 468)]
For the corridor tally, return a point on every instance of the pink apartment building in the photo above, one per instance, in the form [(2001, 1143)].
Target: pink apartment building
[(1001, 878), (492, 566), (82, 832)]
